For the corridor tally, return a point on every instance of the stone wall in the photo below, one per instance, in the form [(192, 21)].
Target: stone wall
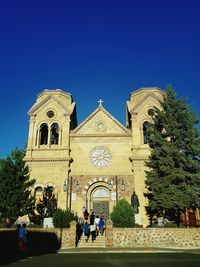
[(66, 236), (128, 237), (63, 235), (156, 237)]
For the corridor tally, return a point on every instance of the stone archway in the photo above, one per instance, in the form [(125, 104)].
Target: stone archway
[(100, 199), (93, 192)]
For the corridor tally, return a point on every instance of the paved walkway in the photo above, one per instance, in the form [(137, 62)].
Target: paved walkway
[(129, 250)]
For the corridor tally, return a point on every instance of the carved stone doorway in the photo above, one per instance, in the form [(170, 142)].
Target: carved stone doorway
[(101, 207), (100, 198)]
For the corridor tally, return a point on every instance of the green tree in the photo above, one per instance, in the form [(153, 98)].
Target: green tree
[(173, 179), (45, 206), (15, 187), (62, 218), (123, 214)]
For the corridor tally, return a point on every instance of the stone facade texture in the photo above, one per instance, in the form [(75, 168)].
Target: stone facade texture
[(156, 237), (187, 238), (53, 163)]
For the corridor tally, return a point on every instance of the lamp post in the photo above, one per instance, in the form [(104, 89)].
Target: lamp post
[(67, 187), (117, 181)]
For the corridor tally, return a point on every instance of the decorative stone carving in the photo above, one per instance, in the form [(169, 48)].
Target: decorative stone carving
[(100, 156)]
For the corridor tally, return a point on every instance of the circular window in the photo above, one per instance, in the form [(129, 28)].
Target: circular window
[(100, 126), (50, 114), (100, 156), (150, 112)]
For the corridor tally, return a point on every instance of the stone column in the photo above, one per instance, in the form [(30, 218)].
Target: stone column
[(109, 234), (32, 133)]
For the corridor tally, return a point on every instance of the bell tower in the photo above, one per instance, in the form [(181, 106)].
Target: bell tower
[(140, 108), (48, 153)]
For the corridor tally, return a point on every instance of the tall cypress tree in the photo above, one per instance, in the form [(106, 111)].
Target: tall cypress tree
[(173, 179), (15, 187)]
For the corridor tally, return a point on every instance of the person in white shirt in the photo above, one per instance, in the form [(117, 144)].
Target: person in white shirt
[(96, 224), (93, 232)]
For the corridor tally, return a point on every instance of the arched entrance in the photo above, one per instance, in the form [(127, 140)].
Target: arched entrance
[(100, 197)]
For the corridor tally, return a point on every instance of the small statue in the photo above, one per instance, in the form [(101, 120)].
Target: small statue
[(135, 202)]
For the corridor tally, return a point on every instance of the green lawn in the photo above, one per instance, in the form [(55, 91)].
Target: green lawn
[(109, 260)]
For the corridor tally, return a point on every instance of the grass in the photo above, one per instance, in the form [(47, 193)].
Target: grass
[(114, 259)]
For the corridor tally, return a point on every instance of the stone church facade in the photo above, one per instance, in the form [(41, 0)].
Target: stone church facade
[(94, 164)]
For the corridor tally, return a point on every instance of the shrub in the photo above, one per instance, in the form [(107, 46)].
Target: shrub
[(62, 218), (123, 214)]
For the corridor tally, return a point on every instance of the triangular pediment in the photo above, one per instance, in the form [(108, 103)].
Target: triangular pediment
[(51, 101), (100, 122), (150, 100)]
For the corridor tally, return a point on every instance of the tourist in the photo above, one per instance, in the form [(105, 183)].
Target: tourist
[(79, 230), (22, 237), (93, 232), (96, 223), (92, 217), (101, 226), (85, 215), (86, 231)]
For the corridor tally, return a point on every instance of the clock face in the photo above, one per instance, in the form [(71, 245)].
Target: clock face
[(100, 156)]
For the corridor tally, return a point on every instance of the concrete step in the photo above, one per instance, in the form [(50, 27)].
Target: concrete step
[(99, 242)]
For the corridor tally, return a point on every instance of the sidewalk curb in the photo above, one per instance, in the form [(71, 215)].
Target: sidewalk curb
[(128, 251)]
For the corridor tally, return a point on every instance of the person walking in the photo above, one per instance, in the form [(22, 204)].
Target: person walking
[(92, 217), (79, 231), (86, 231), (93, 232), (96, 223), (101, 226), (22, 237), (85, 215)]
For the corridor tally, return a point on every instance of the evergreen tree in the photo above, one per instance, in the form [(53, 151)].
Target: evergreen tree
[(173, 179), (123, 214), (15, 187), (62, 218), (45, 206)]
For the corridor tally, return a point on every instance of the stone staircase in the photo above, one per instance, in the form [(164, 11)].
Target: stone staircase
[(99, 242)]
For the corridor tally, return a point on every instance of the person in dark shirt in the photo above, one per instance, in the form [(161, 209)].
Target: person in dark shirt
[(86, 215), (92, 217)]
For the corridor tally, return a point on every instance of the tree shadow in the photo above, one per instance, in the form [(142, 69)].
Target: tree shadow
[(39, 243)]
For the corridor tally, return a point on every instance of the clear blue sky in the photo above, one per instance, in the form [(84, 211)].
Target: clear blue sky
[(93, 49)]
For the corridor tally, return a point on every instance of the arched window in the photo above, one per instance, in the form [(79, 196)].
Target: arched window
[(101, 193), (50, 188), (145, 127), (38, 192), (54, 134), (44, 134)]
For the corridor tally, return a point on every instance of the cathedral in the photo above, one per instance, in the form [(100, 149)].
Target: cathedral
[(96, 163)]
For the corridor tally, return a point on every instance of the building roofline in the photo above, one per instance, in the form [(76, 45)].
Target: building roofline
[(54, 91), (147, 88)]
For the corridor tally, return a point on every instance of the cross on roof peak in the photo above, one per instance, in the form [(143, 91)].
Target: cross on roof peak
[(100, 102)]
